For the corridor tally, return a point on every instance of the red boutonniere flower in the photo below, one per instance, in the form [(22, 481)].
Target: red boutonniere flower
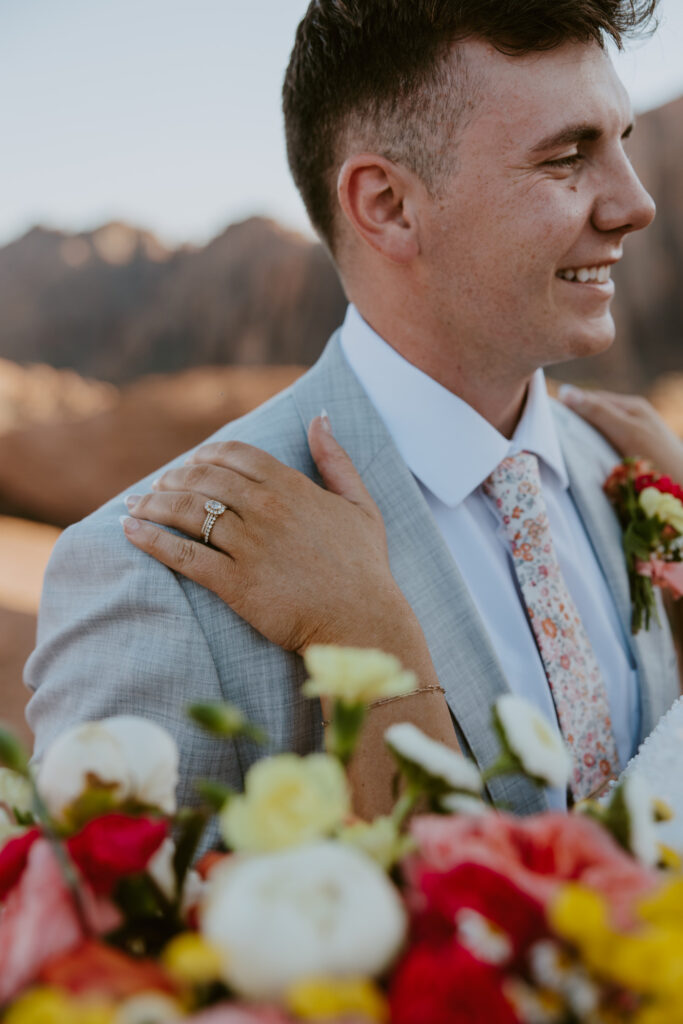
[(650, 510)]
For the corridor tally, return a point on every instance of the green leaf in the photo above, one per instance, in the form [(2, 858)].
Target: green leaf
[(344, 733), (12, 753), (191, 828), (225, 720), (214, 794)]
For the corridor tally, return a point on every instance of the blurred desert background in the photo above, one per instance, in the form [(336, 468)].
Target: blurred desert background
[(118, 349)]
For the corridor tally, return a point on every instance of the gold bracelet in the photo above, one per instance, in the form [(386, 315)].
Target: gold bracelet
[(434, 688)]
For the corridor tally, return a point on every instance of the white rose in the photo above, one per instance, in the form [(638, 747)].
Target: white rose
[(129, 758), (152, 758), (321, 910), (84, 757)]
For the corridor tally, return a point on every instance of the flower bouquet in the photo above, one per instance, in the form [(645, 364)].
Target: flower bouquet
[(650, 510), (443, 911)]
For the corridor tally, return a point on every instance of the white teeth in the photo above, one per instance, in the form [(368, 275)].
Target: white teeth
[(585, 274)]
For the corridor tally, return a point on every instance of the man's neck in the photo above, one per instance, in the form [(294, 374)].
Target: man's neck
[(495, 390)]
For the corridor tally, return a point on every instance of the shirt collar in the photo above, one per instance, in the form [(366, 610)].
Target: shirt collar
[(444, 442)]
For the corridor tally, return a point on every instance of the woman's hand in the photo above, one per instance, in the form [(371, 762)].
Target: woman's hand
[(301, 564), (630, 424)]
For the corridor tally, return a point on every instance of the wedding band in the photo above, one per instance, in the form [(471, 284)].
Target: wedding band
[(213, 510)]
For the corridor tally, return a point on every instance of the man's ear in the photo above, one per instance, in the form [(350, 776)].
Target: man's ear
[(378, 198)]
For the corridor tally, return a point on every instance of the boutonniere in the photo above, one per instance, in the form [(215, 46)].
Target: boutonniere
[(650, 510)]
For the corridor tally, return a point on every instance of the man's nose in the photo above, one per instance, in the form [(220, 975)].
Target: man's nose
[(625, 204)]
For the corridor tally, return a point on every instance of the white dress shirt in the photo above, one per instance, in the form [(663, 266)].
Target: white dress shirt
[(451, 450)]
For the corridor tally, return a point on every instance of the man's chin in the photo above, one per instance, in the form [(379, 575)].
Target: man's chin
[(592, 340)]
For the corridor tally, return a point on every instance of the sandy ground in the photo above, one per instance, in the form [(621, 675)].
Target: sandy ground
[(24, 550)]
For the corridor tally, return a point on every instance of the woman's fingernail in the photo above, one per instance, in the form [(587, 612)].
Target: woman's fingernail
[(155, 483), (325, 421), (132, 500), (570, 395), (129, 524)]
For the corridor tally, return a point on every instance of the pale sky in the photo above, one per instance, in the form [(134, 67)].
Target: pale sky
[(166, 113)]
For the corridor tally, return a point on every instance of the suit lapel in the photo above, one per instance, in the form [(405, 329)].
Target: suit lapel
[(463, 656)]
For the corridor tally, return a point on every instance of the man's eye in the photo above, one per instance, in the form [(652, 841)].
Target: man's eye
[(573, 160)]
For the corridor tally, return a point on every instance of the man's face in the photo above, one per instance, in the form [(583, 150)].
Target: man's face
[(519, 244)]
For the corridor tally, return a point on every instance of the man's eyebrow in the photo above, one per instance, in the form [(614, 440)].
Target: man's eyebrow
[(572, 135)]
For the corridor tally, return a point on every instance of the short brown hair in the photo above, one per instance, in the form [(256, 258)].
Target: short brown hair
[(377, 68)]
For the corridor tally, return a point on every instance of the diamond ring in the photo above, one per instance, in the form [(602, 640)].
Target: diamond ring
[(213, 510)]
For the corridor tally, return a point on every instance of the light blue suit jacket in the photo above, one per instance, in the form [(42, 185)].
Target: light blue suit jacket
[(120, 633)]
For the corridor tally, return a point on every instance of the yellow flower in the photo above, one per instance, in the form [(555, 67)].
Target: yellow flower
[(287, 800), (667, 508), (191, 960), (650, 962), (94, 1013), (669, 1011), (41, 1006), (580, 916), (53, 1006), (665, 906), (328, 998), (380, 839), (354, 675)]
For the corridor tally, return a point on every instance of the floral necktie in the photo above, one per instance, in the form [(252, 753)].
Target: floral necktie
[(572, 670)]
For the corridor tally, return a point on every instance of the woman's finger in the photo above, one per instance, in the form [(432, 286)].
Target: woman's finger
[(191, 558), (185, 511), (250, 462), (210, 481), (610, 418), (338, 472)]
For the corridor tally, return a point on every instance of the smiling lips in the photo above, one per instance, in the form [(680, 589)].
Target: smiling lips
[(587, 275)]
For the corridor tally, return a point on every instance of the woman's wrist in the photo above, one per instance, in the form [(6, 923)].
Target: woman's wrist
[(386, 623)]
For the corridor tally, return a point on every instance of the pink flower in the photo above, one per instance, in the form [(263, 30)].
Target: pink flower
[(667, 575), (39, 921), (537, 854), (13, 859)]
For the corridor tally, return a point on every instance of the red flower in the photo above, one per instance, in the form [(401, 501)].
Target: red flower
[(646, 480), (13, 859), (447, 985), (115, 845), (475, 887), (95, 969), (661, 483)]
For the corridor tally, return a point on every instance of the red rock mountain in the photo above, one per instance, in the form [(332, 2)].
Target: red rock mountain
[(115, 304)]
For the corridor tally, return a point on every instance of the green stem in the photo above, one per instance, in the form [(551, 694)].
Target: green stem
[(64, 861), (505, 765), (404, 806)]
